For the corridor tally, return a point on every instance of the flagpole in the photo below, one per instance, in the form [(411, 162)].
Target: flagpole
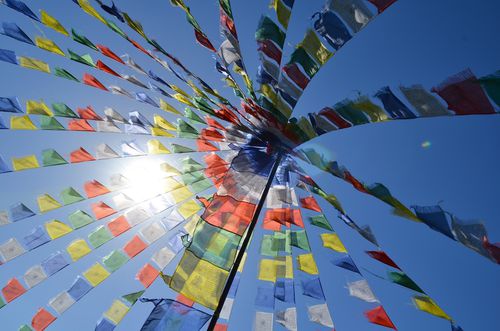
[(244, 245)]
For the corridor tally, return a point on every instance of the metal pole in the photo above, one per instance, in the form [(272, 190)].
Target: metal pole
[(244, 245)]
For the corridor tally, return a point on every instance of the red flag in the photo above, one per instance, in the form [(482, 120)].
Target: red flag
[(139, 47), (227, 22), (134, 246), (106, 51), (80, 125), (356, 183), (383, 257), (270, 50), (81, 155), (42, 319), (464, 94), (335, 118), (493, 249), (101, 66), (147, 275), (310, 203), (182, 299), (382, 4), (379, 316), (211, 134), (12, 290), (213, 123), (205, 146), (88, 113), (101, 210), (203, 40), (90, 80), (203, 200), (118, 226), (94, 188), (297, 76)]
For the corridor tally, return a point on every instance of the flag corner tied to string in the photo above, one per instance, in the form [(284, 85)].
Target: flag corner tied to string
[(196, 182)]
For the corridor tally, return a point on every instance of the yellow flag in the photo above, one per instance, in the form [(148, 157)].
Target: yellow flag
[(191, 225), (21, 123), (169, 170), (157, 132), (179, 90), (315, 48), (268, 92), (332, 240), (185, 100), (31, 63), (96, 274), (38, 108), (199, 280), (52, 23), (307, 264), (48, 45), (26, 162), (163, 123), (156, 147), (57, 229), (117, 311), (424, 303), (181, 194), (47, 203), (78, 249), (188, 209), (169, 184), (90, 10), (267, 270), (167, 107), (242, 263)]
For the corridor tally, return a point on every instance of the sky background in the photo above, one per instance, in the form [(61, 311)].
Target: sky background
[(413, 42)]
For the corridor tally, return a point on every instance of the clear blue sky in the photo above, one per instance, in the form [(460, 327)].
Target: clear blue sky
[(413, 42)]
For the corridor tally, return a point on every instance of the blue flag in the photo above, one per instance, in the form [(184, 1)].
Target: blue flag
[(435, 218), (265, 296), (346, 263), (54, 263), (36, 238), (21, 7), (79, 288), (393, 105), (8, 56), (19, 212), (284, 290), (173, 316), (312, 288), (10, 105), (331, 27), (14, 31)]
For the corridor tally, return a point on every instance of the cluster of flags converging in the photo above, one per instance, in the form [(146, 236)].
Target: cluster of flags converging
[(222, 170)]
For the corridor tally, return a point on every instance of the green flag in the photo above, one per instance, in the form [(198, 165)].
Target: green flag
[(320, 221), (62, 110), (84, 59), (51, 158), (99, 237), (60, 72), (185, 130), (268, 30), (50, 123), (133, 297), (193, 116), (176, 148), (70, 195), (403, 280), (300, 56), (299, 239), (114, 261), (79, 219), (82, 40)]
